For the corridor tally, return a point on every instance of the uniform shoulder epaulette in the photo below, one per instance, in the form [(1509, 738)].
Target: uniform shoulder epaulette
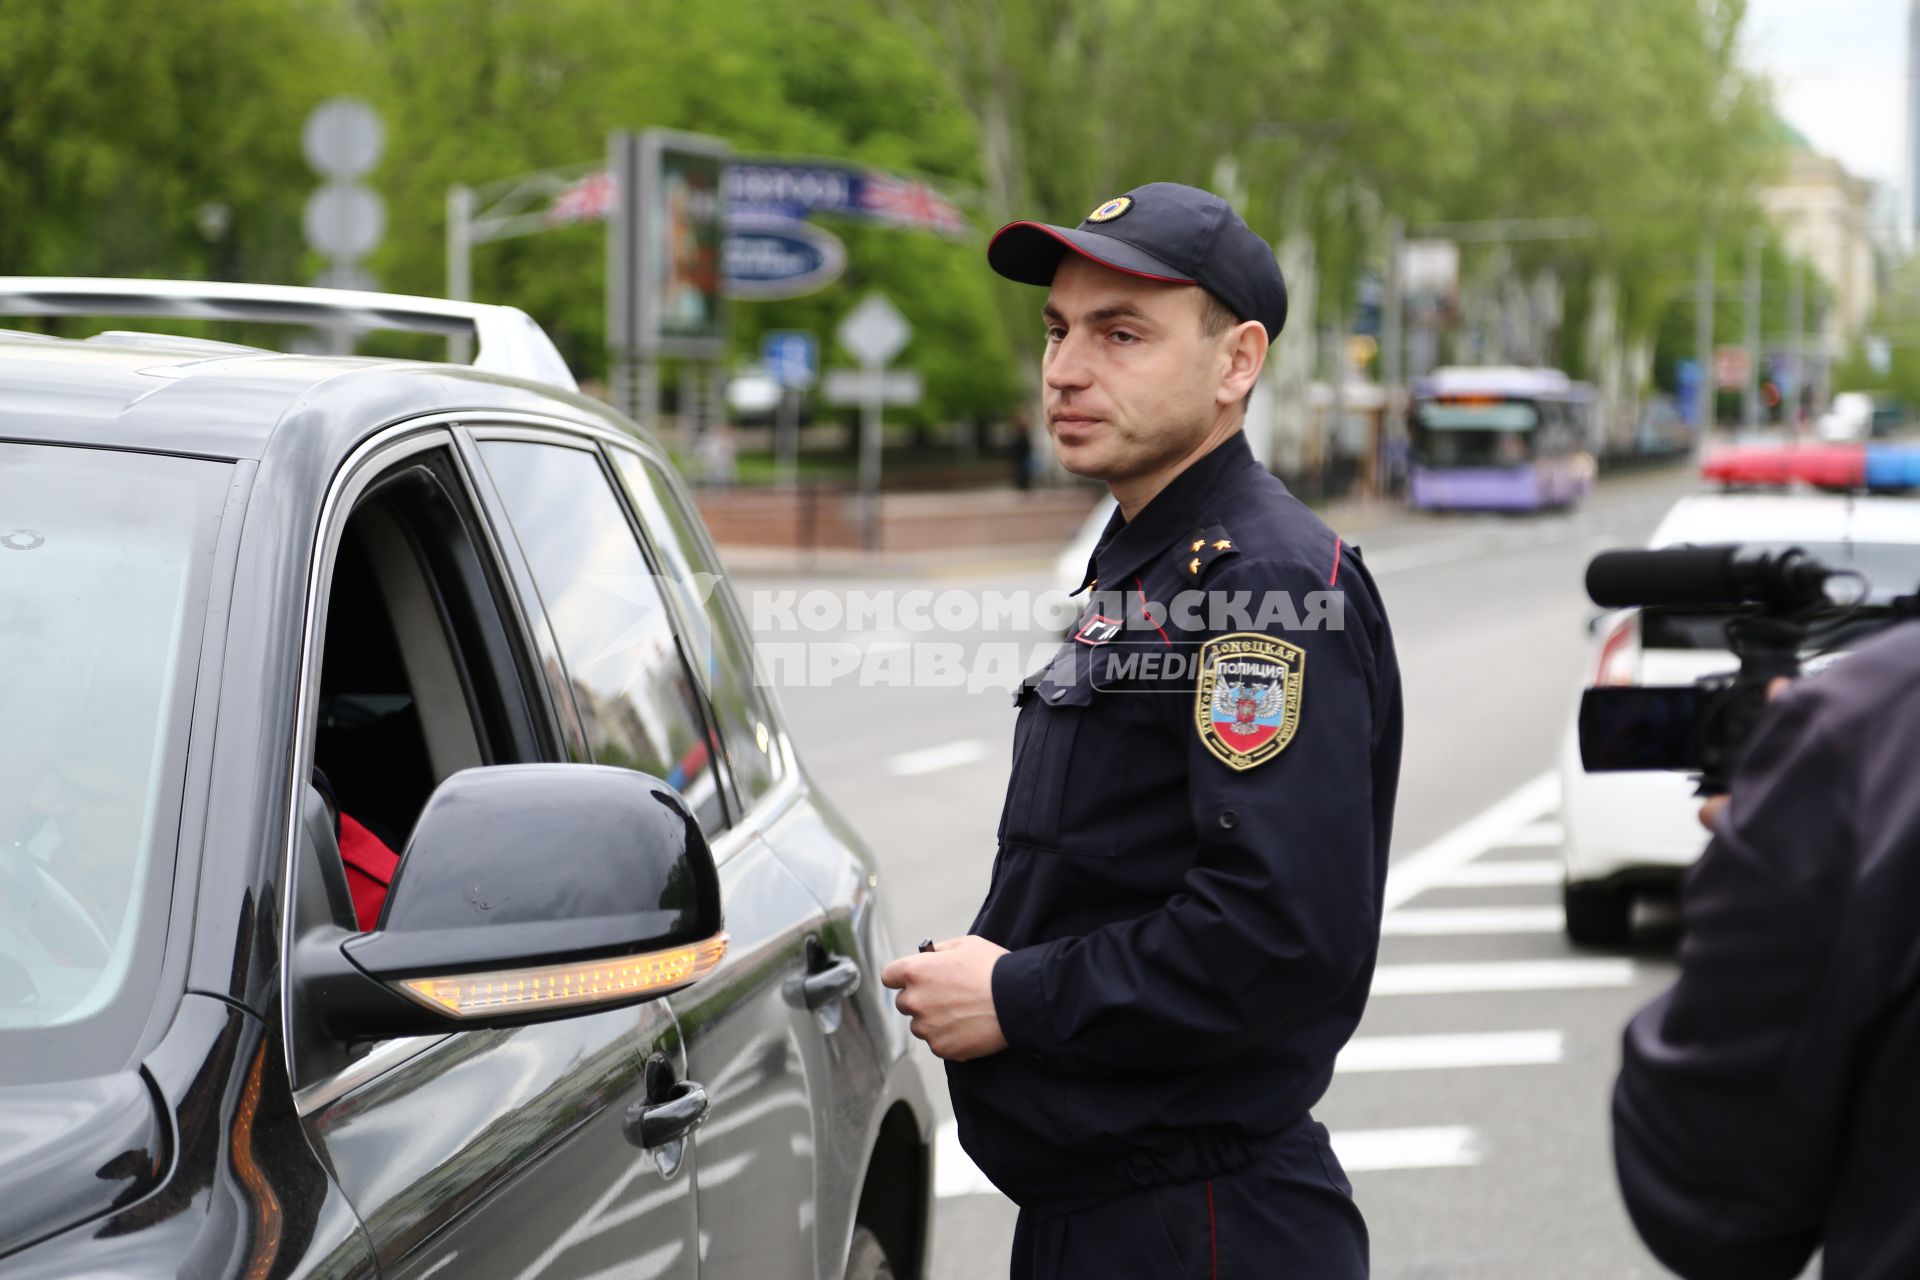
[(1201, 548)]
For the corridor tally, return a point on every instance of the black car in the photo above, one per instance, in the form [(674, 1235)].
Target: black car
[(615, 1011)]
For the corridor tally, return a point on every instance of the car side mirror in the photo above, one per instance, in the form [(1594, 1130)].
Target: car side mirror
[(527, 893)]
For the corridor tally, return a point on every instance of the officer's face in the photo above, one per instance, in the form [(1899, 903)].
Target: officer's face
[(1134, 384)]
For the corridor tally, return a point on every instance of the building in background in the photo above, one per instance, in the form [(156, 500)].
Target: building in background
[(1911, 222), (1826, 215)]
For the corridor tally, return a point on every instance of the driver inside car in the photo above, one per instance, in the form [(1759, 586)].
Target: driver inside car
[(370, 859)]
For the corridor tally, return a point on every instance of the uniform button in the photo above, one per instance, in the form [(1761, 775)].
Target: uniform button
[(1057, 694), (1229, 819)]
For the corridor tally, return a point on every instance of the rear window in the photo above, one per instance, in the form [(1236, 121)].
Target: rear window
[(1890, 568), (104, 561)]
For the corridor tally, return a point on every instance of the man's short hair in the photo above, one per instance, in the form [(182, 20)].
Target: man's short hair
[(1216, 317)]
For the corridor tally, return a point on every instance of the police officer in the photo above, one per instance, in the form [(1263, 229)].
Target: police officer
[(1769, 1103), (1185, 906)]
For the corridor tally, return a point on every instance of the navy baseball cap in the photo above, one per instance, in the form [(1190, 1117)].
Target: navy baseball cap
[(1162, 231)]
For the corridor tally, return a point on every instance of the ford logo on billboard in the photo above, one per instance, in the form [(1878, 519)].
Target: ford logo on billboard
[(771, 257)]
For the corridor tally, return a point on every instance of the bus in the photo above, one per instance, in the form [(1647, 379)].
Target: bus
[(1499, 439)]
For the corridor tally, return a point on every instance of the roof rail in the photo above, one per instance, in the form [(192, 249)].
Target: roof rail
[(506, 339)]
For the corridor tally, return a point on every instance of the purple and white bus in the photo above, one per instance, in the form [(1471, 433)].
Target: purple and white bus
[(1499, 439)]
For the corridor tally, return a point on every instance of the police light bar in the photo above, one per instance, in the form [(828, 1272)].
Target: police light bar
[(1880, 468)]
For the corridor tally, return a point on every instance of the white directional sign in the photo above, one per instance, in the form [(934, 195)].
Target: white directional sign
[(874, 332), (857, 386)]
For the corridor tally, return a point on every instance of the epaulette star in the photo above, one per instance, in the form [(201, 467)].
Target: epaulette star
[(1210, 544)]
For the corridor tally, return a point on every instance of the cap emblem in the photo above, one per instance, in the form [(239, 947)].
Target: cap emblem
[(1111, 209)]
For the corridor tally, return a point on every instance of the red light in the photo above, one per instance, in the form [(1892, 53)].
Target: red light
[(1619, 652), (1824, 466)]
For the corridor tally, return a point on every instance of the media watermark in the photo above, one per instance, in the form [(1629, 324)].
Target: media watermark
[(920, 637)]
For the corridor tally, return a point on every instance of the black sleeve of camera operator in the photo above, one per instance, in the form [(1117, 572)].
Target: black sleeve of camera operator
[(1769, 1102)]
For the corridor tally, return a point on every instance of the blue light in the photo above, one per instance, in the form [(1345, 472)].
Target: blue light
[(1893, 467)]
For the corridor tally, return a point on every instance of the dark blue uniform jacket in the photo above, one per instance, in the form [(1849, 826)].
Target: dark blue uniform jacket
[(1769, 1103), (1192, 849)]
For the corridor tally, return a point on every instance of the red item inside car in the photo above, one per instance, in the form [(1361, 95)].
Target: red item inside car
[(370, 866)]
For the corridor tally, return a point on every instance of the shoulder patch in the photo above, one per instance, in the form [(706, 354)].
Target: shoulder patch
[(1201, 548), (1246, 703)]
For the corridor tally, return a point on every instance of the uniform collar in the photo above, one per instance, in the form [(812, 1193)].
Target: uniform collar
[(1173, 513)]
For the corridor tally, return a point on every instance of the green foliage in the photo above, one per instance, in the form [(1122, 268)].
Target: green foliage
[(120, 118)]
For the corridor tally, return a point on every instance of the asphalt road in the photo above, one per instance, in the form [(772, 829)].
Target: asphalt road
[(1471, 1110)]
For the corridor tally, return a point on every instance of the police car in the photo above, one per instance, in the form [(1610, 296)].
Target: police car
[(1633, 833), (401, 872)]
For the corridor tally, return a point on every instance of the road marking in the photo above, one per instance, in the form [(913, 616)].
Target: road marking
[(948, 755), (1359, 1150), (1432, 1053), (1506, 875), (1375, 1150), (1500, 975), (1463, 922), (954, 1172), (1421, 870), (1537, 835)]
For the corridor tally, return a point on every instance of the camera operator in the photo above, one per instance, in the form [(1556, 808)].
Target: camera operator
[(1769, 1103)]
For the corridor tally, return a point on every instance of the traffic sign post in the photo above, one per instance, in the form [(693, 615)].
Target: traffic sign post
[(342, 139), (874, 332), (792, 359)]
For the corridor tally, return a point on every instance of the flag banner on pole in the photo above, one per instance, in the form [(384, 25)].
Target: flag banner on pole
[(790, 191)]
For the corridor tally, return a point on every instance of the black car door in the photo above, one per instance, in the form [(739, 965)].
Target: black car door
[(478, 1153), (752, 1041)]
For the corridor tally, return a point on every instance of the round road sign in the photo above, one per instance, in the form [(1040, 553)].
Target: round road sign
[(342, 138), (342, 220)]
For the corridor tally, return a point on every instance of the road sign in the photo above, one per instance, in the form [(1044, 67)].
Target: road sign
[(342, 138), (772, 257), (344, 220), (791, 357), (1730, 367), (858, 386), (875, 331)]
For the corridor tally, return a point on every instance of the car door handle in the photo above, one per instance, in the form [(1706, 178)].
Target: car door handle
[(654, 1124), (835, 982)]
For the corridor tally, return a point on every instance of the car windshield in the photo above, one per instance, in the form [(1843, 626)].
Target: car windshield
[(1474, 432), (1890, 568), (104, 560)]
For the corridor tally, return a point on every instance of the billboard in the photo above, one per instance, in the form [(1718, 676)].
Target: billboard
[(667, 250)]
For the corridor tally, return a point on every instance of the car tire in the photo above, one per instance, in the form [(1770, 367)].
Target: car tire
[(1598, 915), (866, 1260)]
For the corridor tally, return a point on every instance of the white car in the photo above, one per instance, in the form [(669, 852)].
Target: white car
[(1628, 833)]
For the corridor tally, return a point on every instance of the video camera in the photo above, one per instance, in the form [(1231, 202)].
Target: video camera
[(1783, 603)]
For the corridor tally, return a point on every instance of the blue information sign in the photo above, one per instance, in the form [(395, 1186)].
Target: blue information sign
[(791, 358)]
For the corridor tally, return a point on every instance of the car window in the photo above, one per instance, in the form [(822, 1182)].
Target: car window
[(104, 565), (635, 696), (418, 678), (718, 645)]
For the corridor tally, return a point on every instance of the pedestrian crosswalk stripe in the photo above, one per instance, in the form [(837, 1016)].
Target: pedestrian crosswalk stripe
[(1439, 1052), (1500, 975), (1438, 922), (948, 755), (954, 1172), (1488, 875), (1359, 1150), (1419, 871), (1376, 1150), (1536, 835)]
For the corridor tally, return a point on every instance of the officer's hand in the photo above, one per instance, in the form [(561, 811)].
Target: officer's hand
[(948, 992), (1714, 806)]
